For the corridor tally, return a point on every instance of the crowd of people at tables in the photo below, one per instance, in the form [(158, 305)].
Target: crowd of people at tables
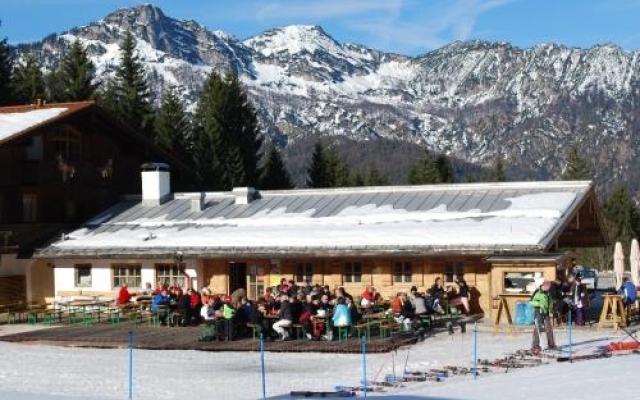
[(313, 307)]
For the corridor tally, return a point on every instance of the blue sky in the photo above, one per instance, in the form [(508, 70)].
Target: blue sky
[(402, 26)]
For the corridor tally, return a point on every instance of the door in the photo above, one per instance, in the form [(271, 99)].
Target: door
[(237, 276)]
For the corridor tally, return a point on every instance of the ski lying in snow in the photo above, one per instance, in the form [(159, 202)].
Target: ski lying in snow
[(303, 393), (582, 357)]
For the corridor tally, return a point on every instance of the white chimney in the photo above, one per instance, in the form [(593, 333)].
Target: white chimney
[(197, 203), (156, 183), (244, 195)]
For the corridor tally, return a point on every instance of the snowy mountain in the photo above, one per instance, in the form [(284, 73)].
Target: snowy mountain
[(474, 100)]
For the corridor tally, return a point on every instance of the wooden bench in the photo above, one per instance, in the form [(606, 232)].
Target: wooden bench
[(390, 327)]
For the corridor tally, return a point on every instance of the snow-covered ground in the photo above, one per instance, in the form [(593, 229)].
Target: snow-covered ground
[(42, 372)]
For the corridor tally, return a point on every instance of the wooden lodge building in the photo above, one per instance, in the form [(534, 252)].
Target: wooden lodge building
[(60, 164), (388, 237)]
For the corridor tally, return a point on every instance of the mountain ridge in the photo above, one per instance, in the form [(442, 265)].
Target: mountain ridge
[(475, 100)]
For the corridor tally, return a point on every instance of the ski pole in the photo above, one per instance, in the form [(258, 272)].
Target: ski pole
[(570, 344), (475, 350), (264, 385), (364, 365), (631, 335), (130, 364)]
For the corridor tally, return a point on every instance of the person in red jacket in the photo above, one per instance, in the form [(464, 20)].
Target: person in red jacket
[(123, 295)]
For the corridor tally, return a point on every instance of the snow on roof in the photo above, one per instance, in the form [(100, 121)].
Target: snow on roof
[(480, 217), (14, 123)]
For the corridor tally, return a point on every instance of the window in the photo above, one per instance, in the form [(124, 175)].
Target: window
[(353, 272), (402, 272), (129, 274), (170, 274), (67, 144), (83, 275), (451, 269), (34, 150), (256, 281), (304, 272), (29, 207)]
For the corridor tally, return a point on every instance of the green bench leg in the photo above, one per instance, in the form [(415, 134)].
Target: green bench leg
[(114, 318), (343, 333), (88, 320), (32, 319)]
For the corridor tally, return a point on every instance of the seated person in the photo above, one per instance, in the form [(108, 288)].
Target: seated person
[(325, 304), (436, 290), (368, 301), (406, 313), (193, 314), (257, 319), (353, 310), (225, 325), (161, 299), (181, 318), (341, 315), (124, 296), (419, 304), (286, 319), (208, 311)]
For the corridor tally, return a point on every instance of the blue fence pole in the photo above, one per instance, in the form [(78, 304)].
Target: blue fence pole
[(570, 338), (364, 365), (475, 350), (264, 381), (131, 365)]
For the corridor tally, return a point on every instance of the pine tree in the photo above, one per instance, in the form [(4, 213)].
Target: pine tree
[(128, 94), (241, 128), (6, 75), (319, 173), (227, 137), (210, 148), (424, 171), (357, 180), (339, 172), (274, 172), (28, 82), (499, 174), (375, 178), (444, 168), (577, 168), (621, 214), (173, 126), (76, 78)]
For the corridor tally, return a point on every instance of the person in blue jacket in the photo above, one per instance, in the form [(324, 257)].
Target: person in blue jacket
[(628, 291), (161, 299), (341, 314)]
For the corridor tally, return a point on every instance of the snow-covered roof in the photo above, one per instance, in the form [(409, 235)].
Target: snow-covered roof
[(512, 217), (18, 120)]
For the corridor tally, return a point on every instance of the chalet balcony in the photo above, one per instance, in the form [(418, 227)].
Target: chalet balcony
[(37, 173), (23, 238)]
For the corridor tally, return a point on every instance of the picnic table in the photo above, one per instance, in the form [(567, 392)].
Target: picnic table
[(613, 312)]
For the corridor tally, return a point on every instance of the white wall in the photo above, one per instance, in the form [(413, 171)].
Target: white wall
[(101, 275)]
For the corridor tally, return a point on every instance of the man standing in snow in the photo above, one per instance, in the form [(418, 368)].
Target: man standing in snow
[(540, 303)]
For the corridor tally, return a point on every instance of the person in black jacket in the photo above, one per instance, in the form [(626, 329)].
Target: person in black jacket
[(463, 293), (184, 310), (286, 318), (259, 322)]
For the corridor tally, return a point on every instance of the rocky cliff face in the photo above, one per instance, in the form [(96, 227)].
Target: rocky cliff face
[(473, 100)]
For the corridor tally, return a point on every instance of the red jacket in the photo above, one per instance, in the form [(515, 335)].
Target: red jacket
[(123, 296)]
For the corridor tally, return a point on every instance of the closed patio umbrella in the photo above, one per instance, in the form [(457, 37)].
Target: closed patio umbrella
[(618, 264), (634, 261)]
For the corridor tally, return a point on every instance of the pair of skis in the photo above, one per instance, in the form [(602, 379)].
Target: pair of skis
[(336, 393)]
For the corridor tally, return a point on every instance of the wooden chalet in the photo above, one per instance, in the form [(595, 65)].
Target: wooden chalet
[(59, 165), (388, 237)]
